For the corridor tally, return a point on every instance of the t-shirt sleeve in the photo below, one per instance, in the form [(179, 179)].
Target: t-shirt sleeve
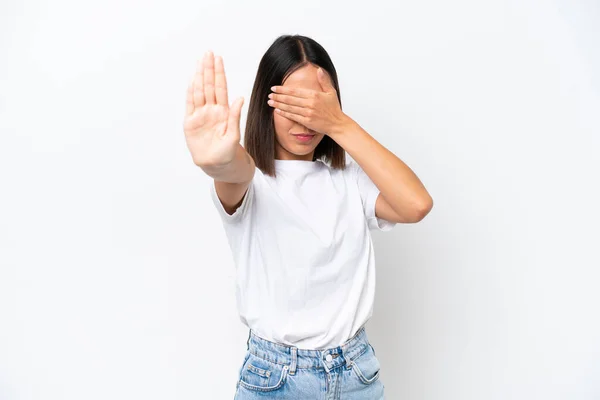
[(240, 212), (368, 193)]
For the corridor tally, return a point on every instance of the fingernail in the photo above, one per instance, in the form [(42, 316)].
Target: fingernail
[(273, 88)]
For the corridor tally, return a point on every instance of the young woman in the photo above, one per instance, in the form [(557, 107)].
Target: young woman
[(298, 217)]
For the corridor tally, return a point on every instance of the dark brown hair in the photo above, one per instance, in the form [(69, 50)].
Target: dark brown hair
[(287, 54)]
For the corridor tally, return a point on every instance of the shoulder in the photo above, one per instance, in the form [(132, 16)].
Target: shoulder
[(349, 171)]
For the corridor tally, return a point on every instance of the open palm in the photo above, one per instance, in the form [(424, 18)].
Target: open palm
[(211, 127)]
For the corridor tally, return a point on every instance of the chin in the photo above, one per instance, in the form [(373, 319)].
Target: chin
[(300, 150)]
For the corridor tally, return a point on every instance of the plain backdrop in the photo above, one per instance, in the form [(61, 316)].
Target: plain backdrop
[(116, 280)]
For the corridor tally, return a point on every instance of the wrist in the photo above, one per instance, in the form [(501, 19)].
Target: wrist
[(345, 125)]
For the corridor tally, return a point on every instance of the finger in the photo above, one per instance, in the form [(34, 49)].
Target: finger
[(298, 92), (292, 100), (209, 78), (234, 113), (220, 82), (291, 109), (189, 101), (294, 117), (199, 99)]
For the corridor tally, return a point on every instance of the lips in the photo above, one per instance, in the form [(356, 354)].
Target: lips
[(303, 137)]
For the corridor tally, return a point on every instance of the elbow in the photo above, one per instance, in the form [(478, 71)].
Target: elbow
[(423, 209)]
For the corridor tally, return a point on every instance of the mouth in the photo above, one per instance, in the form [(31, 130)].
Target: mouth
[(303, 137)]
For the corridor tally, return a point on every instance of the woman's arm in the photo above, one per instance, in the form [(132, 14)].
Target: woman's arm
[(403, 197), (232, 180), (212, 133)]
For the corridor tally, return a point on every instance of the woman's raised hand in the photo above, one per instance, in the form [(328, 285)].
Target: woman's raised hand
[(211, 127)]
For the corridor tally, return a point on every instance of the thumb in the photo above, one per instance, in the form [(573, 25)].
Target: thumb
[(324, 81), (234, 113)]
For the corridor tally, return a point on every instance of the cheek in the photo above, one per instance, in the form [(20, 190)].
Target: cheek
[(282, 125)]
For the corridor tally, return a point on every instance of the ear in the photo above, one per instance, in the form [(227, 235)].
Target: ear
[(324, 81)]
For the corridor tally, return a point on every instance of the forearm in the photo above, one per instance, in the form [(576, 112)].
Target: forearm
[(240, 169), (398, 184)]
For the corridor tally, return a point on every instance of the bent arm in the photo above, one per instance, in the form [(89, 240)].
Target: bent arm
[(232, 179), (403, 196)]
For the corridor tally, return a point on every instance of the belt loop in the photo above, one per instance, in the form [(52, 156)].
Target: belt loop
[(345, 350), (294, 351), (248, 341)]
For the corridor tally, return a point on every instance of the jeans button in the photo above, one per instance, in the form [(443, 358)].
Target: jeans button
[(328, 357)]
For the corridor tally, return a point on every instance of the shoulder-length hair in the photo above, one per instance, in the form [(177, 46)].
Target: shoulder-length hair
[(287, 54)]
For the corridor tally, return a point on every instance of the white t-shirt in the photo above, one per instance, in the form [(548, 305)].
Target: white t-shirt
[(301, 243)]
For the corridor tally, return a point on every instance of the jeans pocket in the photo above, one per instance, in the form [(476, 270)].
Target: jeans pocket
[(366, 366), (260, 375)]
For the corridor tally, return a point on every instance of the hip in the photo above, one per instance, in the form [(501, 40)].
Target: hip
[(280, 371)]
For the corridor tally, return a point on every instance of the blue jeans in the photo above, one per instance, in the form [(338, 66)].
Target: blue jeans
[(277, 371)]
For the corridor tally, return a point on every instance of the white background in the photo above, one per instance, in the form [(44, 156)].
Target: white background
[(116, 280)]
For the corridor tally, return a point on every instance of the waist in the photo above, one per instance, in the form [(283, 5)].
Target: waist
[(328, 358)]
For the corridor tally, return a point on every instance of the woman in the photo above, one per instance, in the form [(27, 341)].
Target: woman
[(298, 218)]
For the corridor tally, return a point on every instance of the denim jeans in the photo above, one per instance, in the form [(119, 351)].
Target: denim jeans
[(277, 371)]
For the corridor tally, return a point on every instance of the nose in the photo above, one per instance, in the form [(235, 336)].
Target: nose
[(302, 128)]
